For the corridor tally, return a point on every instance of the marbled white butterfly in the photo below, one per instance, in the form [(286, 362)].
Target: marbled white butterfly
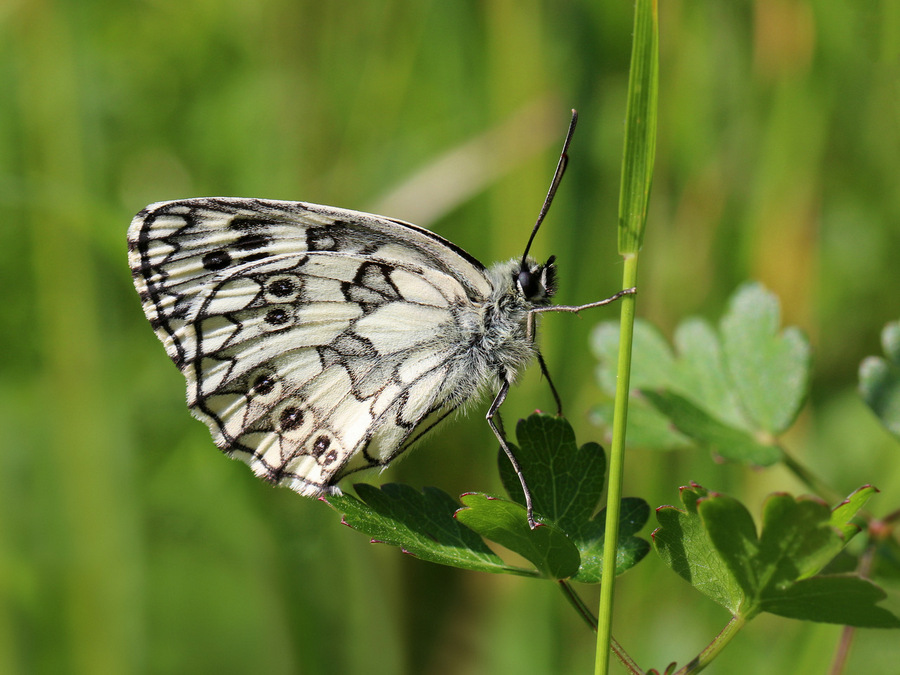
[(318, 341)]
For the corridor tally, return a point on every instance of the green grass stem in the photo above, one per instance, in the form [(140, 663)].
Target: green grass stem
[(637, 173)]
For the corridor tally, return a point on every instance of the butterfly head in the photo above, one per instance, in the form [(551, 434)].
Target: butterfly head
[(536, 282)]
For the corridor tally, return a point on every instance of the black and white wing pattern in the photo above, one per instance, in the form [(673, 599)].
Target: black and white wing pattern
[(316, 341)]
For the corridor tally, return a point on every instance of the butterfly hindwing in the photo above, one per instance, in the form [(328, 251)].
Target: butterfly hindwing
[(309, 336)]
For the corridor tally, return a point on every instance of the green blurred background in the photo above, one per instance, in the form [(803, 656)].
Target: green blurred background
[(128, 544)]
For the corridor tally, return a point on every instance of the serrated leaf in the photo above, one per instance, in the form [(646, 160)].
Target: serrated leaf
[(421, 524), (769, 370), (684, 545), (729, 389), (842, 514), (797, 539), (504, 522), (652, 365), (713, 545), (732, 534), (879, 380), (566, 483), (647, 427), (633, 515)]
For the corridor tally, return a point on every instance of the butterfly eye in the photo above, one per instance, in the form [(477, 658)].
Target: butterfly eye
[(529, 283)]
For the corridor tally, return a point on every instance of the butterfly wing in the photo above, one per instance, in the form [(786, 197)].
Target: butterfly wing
[(314, 340)]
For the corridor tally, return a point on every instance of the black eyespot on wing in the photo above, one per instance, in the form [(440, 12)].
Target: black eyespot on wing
[(290, 418), (216, 260), (281, 287), (277, 316), (321, 445), (264, 384)]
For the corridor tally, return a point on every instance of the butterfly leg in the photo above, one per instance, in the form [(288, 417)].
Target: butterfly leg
[(546, 374), (574, 309), (492, 412)]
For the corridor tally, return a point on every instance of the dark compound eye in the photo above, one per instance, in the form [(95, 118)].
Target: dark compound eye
[(530, 283)]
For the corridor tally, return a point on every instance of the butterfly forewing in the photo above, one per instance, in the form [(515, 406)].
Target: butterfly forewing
[(309, 336)]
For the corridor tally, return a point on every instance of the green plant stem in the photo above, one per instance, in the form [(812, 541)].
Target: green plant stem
[(616, 468), (713, 648), (575, 600), (637, 173), (808, 478), (623, 657), (585, 613)]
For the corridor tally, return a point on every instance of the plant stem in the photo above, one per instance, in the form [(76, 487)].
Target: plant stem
[(808, 478), (591, 621), (616, 468), (712, 650), (634, 195), (583, 611)]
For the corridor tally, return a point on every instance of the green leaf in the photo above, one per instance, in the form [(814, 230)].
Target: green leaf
[(702, 374), (633, 516), (504, 522), (843, 513), (729, 389), (421, 524), (566, 484), (769, 370), (732, 533), (566, 481), (647, 427), (797, 539), (685, 546), (640, 131), (713, 545), (842, 599), (879, 380), (726, 441), (653, 365)]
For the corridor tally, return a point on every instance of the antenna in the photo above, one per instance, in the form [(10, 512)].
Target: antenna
[(557, 177)]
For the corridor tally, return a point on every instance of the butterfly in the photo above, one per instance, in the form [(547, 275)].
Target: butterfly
[(318, 341)]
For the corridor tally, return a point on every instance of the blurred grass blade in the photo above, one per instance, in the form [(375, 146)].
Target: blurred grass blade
[(640, 128)]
